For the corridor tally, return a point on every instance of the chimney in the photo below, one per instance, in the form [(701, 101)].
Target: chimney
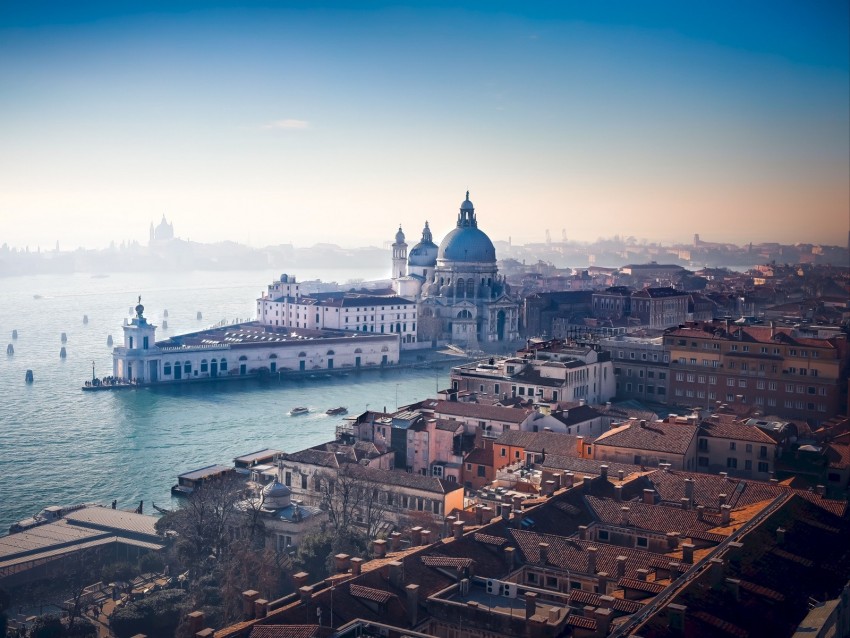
[(412, 603), (724, 475), (261, 606), (715, 572), (569, 479), (516, 501), (649, 496), (603, 620), (395, 542), (416, 536), (397, 573), (505, 510), (544, 553), (734, 552), (624, 516), (548, 488), (425, 537), (721, 500), (196, 621), (379, 547), (621, 567), (457, 529), (586, 483), (580, 446), (676, 616), (688, 553), (510, 558), (686, 503), (479, 514), (487, 514), (642, 574), (606, 601), (603, 470), (672, 540), (591, 560), (780, 535), (820, 490), (700, 512), (725, 514), (447, 525), (602, 582), (306, 593), (356, 564), (734, 587), (341, 563), (248, 598), (554, 615), (582, 532), (300, 579), (618, 493), (689, 490), (620, 475), (530, 604)]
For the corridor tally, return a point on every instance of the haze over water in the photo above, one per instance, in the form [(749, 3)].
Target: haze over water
[(59, 445)]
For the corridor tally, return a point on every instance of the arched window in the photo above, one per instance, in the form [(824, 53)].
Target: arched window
[(358, 351), (470, 287), (223, 365), (187, 367), (460, 286), (204, 365), (330, 352), (272, 356), (464, 314), (166, 369), (302, 354), (243, 358)]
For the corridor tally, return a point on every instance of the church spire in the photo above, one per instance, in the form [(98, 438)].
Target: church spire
[(426, 234)]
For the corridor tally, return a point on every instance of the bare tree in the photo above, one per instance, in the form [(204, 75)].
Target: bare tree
[(352, 500)]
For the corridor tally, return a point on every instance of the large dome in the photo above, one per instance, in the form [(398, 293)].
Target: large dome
[(467, 242)]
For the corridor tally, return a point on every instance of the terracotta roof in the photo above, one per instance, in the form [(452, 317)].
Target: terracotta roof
[(641, 585), (480, 456), (673, 438), (370, 593), (726, 428), (580, 621), (551, 442), (489, 539), (660, 518), (582, 597), (478, 411), (285, 631), (446, 561), (723, 625)]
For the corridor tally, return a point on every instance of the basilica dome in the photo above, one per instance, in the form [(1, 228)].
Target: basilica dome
[(424, 254), (467, 243)]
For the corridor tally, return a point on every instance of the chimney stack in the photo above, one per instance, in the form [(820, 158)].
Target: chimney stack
[(544, 553), (618, 493), (591, 560), (196, 621), (725, 514), (548, 488), (672, 540), (603, 620), (300, 579), (412, 603), (688, 553), (715, 572), (734, 586), (379, 547), (686, 503), (248, 598), (689, 489), (721, 500), (624, 516), (602, 582), (621, 567), (397, 573), (457, 529), (425, 537), (487, 514), (620, 475), (676, 615), (447, 525), (356, 564), (649, 496), (820, 490), (395, 541), (582, 532), (261, 606), (510, 558), (780, 535), (569, 479), (530, 604), (416, 536), (700, 512), (603, 470), (341, 563), (306, 593)]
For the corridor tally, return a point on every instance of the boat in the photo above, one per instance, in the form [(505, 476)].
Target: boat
[(298, 411), (336, 411), (161, 510)]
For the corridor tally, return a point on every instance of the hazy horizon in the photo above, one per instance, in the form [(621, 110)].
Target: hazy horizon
[(334, 122)]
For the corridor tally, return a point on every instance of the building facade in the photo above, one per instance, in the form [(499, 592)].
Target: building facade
[(641, 367)]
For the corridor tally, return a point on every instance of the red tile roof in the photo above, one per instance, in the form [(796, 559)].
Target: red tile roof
[(673, 438)]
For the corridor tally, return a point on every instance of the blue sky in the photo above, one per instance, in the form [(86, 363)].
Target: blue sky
[(307, 122)]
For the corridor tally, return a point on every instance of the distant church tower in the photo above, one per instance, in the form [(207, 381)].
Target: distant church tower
[(399, 255)]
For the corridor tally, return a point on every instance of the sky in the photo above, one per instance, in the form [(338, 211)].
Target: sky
[(306, 122)]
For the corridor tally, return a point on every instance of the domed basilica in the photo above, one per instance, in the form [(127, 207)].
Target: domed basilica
[(461, 297)]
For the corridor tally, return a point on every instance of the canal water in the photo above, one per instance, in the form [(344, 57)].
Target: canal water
[(60, 445)]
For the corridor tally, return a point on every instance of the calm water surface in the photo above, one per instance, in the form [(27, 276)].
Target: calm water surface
[(59, 445)]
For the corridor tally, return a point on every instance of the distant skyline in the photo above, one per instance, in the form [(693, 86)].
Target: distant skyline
[(309, 122)]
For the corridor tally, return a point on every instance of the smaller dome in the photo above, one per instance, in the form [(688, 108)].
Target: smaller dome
[(276, 495), (399, 236), (466, 204)]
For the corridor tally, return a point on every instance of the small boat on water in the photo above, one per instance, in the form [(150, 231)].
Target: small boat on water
[(336, 411), (298, 411), (161, 510)]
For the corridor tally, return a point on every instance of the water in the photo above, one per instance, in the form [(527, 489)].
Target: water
[(60, 445)]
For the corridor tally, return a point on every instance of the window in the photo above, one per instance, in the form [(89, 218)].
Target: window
[(748, 465), (749, 448), (504, 451), (702, 461), (303, 481), (763, 452), (642, 541), (731, 462), (730, 383), (731, 445), (602, 535), (763, 467), (482, 471)]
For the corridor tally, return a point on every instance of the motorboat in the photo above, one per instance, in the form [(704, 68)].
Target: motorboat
[(336, 411), (298, 411)]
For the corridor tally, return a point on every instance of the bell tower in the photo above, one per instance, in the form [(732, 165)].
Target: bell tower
[(399, 255)]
